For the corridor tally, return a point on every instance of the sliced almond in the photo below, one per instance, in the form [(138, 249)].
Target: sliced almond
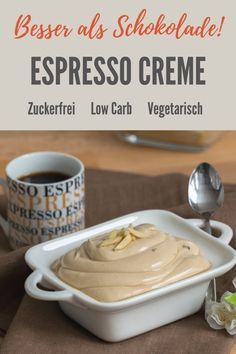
[(126, 233), (124, 243), (121, 232), (110, 241), (137, 233), (113, 234)]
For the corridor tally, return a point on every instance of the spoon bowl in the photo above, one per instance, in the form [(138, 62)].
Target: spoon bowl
[(205, 192)]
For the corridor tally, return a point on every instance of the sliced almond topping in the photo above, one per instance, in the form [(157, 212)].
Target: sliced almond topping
[(121, 232), (122, 238), (137, 233), (113, 234), (126, 233), (110, 241), (124, 243)]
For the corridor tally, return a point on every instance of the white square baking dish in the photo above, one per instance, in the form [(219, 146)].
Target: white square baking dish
[(116, 321)]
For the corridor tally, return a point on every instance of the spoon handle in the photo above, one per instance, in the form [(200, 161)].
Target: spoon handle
[(206, 226), (212, 287)]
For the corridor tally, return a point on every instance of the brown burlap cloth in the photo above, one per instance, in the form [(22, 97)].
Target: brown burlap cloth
[(34, 327)]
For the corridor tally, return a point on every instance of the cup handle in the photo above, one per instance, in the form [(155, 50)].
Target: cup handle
[(3, 221), (225, 230)]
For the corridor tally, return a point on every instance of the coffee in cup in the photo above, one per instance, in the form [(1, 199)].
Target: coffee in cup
[(45, 192)]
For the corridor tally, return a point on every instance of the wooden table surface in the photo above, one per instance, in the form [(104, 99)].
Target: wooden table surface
[(103, 150)]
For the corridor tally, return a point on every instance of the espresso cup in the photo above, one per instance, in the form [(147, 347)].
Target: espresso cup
[(40, 208)]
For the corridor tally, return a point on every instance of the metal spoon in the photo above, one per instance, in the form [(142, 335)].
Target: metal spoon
[(205, 196)]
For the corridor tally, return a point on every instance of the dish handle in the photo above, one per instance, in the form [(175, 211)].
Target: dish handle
[(226, 233), (32, 289)]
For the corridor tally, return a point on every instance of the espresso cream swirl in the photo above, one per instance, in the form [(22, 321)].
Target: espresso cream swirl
[(108, 274)]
